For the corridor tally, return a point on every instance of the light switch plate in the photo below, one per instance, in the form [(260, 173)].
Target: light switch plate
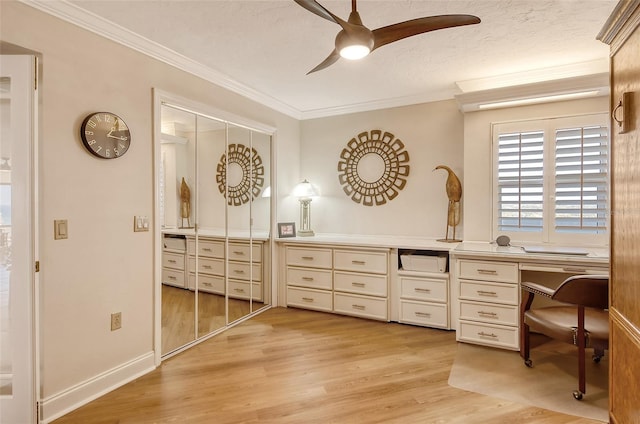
[(140, 223), (60, 229)]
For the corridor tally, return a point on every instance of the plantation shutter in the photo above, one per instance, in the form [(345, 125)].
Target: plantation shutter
[(520, 181), (581, 180)]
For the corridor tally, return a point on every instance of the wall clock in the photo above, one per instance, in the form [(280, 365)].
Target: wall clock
[(105, 135)]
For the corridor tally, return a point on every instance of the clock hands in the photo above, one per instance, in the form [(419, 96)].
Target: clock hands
[(110, 135)]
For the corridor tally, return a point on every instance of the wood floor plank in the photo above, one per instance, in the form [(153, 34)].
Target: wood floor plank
[(296, 366)]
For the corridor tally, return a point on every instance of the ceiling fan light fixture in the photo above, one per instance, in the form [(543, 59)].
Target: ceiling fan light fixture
[(355, 51)]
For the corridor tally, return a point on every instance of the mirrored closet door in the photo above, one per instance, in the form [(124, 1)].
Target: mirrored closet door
[(215, 211)]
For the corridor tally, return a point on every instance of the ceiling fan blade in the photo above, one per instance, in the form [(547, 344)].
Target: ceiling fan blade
[(330, 60), (395, 32), (316, 8)]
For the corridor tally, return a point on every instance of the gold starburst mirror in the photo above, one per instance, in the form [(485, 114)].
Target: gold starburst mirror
[(372, 169)]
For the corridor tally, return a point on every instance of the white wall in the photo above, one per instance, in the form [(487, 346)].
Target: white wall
[(103, 266), (477, 185), (432, 134)]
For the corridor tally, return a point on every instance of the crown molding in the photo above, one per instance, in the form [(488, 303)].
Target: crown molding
[(77, 16), (598, 83), (624, 19)]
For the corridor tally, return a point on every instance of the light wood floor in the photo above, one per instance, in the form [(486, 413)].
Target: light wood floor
[(178, 318), (295, 366)]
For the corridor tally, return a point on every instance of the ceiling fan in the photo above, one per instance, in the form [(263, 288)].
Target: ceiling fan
[(355, 41)]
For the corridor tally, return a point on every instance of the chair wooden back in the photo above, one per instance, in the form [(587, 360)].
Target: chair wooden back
[(591, 291)]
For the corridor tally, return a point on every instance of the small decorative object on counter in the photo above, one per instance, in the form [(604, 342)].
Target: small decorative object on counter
[(454, 193)]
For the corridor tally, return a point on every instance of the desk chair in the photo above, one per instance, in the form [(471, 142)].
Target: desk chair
[(582, 319)]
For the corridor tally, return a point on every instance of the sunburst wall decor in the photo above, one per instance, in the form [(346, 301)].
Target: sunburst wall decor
[(373, 167), (250, 183)]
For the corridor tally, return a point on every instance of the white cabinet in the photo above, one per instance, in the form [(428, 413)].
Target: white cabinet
[(488, 299), (244, 267), (351, 281), (173, 261), (424, 298)]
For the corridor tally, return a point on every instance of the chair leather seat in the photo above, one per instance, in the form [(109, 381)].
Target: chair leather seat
[(556, 322)]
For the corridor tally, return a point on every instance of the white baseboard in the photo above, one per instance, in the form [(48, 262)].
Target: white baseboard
[(55, 406)]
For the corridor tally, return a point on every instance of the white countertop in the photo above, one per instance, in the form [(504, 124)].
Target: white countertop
[(219, 232), (595, 254), (399, 242)]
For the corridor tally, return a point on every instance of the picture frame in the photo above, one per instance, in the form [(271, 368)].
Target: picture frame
[(286, 229)]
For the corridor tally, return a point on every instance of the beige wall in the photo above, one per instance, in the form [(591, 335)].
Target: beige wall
[(477, 185), (432, 134), (103, 266)]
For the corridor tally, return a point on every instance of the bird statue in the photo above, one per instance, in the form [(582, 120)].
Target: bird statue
[(454, 193), (185, 203)]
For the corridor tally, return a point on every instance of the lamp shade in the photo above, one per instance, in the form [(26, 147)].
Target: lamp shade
[(304, 189)]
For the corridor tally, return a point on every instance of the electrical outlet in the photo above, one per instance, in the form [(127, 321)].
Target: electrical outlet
[(116, 321)]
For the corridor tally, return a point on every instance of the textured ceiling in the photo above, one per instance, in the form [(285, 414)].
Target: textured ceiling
[(269, 46)]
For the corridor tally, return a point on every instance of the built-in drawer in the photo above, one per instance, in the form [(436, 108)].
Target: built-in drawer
[(309, 277), (173, 277), (245, 271), (423, 313), (488, 270), (173, 260), (489, 292), (353, 260), (245, 252), (245, 290), (484, 312), (309, 299), (207, 283), (430, 289), (207, 265), (375, 285), (174, 242), (207, 248), (308, 257), (490, 335), (362, 306)]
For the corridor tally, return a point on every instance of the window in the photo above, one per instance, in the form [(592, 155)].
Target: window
[(551, 180)]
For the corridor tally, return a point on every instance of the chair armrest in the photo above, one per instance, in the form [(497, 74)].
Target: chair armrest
[(538, 289)]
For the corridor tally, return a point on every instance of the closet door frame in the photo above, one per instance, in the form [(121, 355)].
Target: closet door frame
[(161, 97)]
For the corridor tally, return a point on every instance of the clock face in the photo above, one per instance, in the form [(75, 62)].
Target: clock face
[(105, 135)]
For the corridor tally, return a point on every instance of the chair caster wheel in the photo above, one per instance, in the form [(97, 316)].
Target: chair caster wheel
[(596, 359), (528, 363), (577, 395)]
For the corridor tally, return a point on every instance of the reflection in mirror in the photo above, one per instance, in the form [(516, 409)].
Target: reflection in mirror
[(215, 214), (210, 278), (177, 163)]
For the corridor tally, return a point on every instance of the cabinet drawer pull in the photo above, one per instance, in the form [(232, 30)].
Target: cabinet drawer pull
[(421, 290), (358, 262), (486, 293), (172, 261), (356, 284), (238, 271), (359, 307), (239, 290), (206, 266), (171, 277), (576, 270), (237, 252), (483, 334), (423, 314), (207, 284), (308, 299), (307, 258), (487, 314), (206, 249), (487, 271), (307, 278)]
